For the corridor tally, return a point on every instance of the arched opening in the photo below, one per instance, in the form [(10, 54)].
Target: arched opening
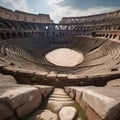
[(32, 34), (118, 28), (20, 35), (28, 34), (8, 35), (25, 34), (110, 36), (114, 36), (39, 33), (106, 36), (14, 35), (43, 33), (93, 34), (2, 35), (53, 33)]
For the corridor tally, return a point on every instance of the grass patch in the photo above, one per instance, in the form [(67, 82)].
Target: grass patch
[(81, 114)]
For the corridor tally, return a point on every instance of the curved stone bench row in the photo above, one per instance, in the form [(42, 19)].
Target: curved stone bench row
[(17, 101), (12, 52), (105, 63), (14, 59), (82, 43), (25, 76), (108, 52), (10, 46), (99, 103)]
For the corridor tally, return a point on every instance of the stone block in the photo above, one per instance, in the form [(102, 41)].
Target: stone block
[(52, 75), (17, 95), (72, 77), (44, 90), (10, 70), (106, 103), (62, 76), (5, 111), (103, 101), (67, 113), (25, 109), (7, 79), (44, 115), (25, 73), (40, 75)]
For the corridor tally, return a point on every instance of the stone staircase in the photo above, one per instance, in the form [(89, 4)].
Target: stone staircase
[(59, 107)]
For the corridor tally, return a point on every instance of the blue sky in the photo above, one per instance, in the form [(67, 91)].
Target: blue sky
[(62, 8)]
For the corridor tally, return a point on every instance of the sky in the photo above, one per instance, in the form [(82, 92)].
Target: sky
[(62, 8)]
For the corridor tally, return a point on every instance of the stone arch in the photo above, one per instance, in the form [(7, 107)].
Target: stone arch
[(39, 33), (29, 34), (25, 34), (107, 27), (20, 34), (46, 27), (118, 28), (43, 33)]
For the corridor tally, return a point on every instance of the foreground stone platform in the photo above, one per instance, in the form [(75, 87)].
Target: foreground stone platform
[(99, 103), (17, 101)]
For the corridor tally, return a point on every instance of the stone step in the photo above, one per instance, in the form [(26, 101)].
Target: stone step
[(56, 93), (60, 99), (59, 90), (60, 96), (59, 107)]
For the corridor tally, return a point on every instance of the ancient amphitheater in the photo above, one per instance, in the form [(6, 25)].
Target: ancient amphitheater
[(65, 71)]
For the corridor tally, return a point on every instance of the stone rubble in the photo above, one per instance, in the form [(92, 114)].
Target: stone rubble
[(67, 113)]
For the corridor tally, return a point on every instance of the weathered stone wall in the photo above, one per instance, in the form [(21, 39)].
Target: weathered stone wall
[(22, 16), (91, 18)]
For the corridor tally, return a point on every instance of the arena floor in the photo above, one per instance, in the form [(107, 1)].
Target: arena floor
[(65, 57)]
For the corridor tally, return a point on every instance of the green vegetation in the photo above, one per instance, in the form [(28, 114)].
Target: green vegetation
[(81, 114)]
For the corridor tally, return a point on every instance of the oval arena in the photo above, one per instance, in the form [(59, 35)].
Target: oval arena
[(48, 70)]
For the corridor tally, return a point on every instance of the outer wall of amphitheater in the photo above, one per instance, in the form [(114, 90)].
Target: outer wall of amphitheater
[(22, 16)]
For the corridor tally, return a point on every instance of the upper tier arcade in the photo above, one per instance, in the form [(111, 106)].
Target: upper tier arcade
[(22, 16), (92, 18)]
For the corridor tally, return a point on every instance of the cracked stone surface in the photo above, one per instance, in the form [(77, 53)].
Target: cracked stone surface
[(44, 115), (68, 113)]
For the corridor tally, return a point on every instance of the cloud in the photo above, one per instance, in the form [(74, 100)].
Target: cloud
[(69, 11), (18, 5), (55, 1), (85, 4)]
